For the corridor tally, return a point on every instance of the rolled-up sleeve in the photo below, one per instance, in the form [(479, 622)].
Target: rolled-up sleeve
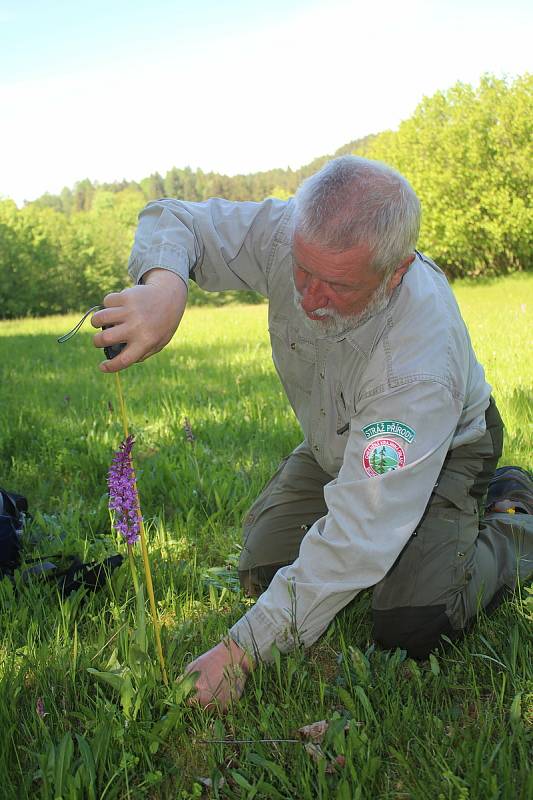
[(220, 244), (372, 513)]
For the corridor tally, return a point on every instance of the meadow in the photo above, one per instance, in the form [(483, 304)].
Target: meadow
[(455, 727)]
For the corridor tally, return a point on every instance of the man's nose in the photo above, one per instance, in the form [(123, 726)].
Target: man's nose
[(313, 295)]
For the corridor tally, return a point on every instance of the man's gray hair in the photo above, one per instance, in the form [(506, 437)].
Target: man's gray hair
[(353, 201)]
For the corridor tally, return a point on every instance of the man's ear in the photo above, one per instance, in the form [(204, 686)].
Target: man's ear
[(400, 271)]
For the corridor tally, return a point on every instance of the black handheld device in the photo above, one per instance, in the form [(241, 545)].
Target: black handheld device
[(114, 349), (111, 351)]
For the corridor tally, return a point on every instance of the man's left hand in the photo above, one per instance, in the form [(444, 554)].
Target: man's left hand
[(223, 672)]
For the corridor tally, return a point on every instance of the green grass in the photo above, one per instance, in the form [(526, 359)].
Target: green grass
[(458, 726)]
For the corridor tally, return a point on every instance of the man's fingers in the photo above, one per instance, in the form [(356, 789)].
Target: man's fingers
[(130, 355), (114, 299), (107, 316), (207, 689), (190, 671), (133, 353), (220, 679), (201, 696), (113, 335)]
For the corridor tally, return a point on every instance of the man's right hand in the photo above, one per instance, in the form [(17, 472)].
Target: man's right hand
[(144, 316)]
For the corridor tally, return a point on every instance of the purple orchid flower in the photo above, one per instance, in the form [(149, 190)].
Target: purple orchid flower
[(123, 499)]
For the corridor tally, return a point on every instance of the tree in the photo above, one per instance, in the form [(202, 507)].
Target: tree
[(83, 195), (466, 153), (153, 187)]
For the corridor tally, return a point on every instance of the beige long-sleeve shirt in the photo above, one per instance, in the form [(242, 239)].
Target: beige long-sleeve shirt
[(380, 405)]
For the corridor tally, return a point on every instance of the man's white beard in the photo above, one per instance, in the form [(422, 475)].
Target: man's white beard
[(334, 324)]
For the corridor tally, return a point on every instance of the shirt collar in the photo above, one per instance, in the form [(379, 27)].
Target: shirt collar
[(366, 335)]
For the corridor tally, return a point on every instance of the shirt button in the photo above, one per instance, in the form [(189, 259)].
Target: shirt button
[(322, 374), (316, 448), (293, 345), (323, 412)]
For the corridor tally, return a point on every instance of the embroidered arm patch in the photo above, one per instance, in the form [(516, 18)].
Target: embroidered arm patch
[(384, 453)]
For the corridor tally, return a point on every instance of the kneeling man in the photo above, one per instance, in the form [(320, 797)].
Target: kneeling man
[(401, 433)]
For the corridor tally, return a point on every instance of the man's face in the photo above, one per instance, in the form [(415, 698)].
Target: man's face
[(337, 291)]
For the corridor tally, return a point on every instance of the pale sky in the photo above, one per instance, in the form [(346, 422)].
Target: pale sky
[(112, 89)]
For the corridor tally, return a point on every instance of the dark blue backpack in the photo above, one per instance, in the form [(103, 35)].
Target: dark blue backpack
[(13, 510)]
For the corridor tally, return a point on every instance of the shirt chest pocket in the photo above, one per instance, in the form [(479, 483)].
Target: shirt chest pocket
[(294, 355), (342, 410)]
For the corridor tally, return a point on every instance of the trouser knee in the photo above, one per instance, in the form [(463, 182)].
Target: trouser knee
[(255, 580), (417, 630)]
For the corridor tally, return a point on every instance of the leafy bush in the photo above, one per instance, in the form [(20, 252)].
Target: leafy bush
[(466, 153)]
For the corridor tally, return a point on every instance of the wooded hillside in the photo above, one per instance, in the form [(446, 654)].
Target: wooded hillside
[(467, 152)]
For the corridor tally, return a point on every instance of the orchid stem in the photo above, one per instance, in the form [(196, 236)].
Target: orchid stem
[(144, 548), (133, 569)]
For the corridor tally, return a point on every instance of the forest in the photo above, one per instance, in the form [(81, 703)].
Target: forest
[(466, 151)]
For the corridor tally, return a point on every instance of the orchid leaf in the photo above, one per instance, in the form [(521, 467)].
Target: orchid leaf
[(113, 679)]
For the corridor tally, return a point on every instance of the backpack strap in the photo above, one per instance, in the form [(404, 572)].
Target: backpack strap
[(12, 504), (91, 576)]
